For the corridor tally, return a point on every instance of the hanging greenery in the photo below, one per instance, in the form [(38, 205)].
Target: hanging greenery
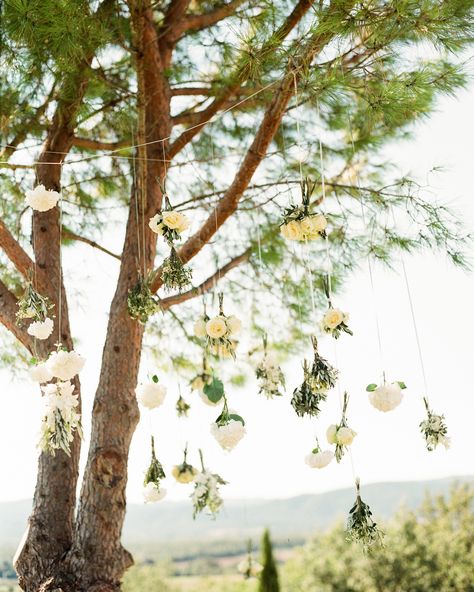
[(141, 302), (299, 223), (361, 527)]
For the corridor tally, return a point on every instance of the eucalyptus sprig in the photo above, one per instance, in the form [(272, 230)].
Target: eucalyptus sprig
[(175, 275), (434, 429), (361, 527), (318, 379), (155, 471), (141, 302), (32, 305)]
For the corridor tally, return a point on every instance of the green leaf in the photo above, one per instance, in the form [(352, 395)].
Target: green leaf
[(370, 387), (155, 378), (236, 417), (214, 391), (402, 385)]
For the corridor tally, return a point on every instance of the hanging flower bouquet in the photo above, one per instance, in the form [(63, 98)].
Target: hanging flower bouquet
[(269, 374), (434, 429), (334, 320), (182, 408), (219, 331), (35, 307), (151, 394), (152, 490), (184, 473), (299, 223), (341, 434), (228, 429), (42, 199), (360, 524), (60, 419), (175, 275), (141, 302), (206, 495), (318, 458), (318, 379), (248, 567), (387, 396)]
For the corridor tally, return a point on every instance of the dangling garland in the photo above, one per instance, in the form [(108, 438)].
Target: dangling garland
[(141, 302)]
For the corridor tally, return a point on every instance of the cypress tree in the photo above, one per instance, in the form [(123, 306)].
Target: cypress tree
[(269, 576)]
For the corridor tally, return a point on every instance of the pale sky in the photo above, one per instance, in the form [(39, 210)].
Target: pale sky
[(269, 462)]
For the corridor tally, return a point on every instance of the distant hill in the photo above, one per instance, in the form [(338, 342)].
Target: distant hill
[(296, 517)]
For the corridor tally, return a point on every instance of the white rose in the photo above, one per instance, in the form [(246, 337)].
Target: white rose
[(318, 224), (152, 494), (156, 224), (229, 435), (183, 222), (306, 226), (42, 199), (345, 436), (234, 324), (331, 434), (386, 397), (151, 394), (200, 328), (65, 365), (41, 330), (216, 327), (172, 219), (40, 373), (333, 318), (319, 460), (292, 230)]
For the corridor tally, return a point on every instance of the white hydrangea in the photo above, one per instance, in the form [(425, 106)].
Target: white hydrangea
[(65, 365), (40, 373), (151, 394), (386, 397), (60, 418), (228, 435), (42, 199), (41, 329), (152, 493), (319, 460)]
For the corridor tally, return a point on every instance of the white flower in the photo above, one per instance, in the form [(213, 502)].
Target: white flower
[(249, 567), (319, 460), (200, 328), (318, 224), (331, 434), (333, 318), (234, 324), (292, 230), (175, 220), (65, 365), (228, 435), (156, 224), (151, 394), (216, 327), (386, 397), (152, 493), (42, 199), (41, 330), (40, 373), (345, 436)]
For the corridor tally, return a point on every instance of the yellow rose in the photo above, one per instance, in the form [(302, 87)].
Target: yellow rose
[(333, 318), (183, 223), (216, 327), (306, 226), (172, 219), (292, 230)]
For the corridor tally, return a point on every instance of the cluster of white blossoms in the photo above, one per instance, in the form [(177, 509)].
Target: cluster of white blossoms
[(42, 199), (342, 435), (151, 394), (249, 568), (310, 227), (41, 329), (318, 459), (335, 321), (434, 429), (169, 224), (386, 397), (206, 495), (219, 332), (228, 434), (60, 418), (61, 364), (153, 492), (270, 376)]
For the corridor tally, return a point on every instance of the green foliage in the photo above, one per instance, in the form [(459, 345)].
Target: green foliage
[(429, 549), (269, 576)]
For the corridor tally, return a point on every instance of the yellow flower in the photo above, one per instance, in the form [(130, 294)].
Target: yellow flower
[(333, 318), (184, 476), (292, 230), (216, 327), (175, 220)]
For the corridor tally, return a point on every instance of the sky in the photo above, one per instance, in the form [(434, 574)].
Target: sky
[(269, 461)]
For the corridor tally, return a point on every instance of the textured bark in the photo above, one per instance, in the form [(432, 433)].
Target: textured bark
[(98, 559)]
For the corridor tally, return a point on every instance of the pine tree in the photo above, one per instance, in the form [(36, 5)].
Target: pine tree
[(113, 102), (269, 576)]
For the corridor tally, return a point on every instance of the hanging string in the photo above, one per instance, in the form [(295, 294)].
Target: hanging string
[(137, 183), (60, 271)]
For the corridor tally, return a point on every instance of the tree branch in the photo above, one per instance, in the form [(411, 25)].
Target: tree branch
[(196, 22), (208, 284), (8, 310), (69, 234), (89, 144)]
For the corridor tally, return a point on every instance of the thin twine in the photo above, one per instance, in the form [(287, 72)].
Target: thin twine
[(137, 183), (60, 274), (198, 125)]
